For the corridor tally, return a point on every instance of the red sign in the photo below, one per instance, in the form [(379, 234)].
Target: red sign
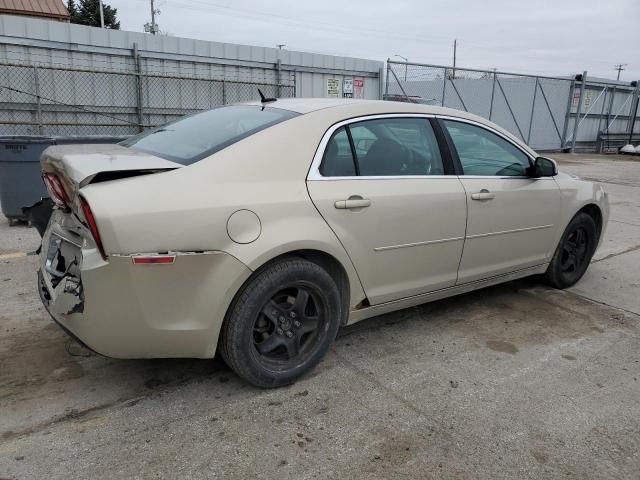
[(358, 88)]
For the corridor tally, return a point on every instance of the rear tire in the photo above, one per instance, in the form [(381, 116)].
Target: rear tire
[(281, 323), (574, 252)]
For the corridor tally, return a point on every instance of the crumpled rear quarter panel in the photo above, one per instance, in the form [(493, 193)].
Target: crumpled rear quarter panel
[(153, 311)]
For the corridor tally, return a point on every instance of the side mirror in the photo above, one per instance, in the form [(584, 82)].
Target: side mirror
[(543, 167)]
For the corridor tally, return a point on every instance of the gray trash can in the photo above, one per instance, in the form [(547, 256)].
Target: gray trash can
[(21, 184), (20, 179)]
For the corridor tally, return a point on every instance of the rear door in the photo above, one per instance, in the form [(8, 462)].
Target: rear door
[(390, 196), (512, 218)]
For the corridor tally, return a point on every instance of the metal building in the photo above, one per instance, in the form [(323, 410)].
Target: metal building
[(59, 78)]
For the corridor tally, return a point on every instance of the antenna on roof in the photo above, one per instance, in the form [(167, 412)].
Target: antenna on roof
[(264, 99)]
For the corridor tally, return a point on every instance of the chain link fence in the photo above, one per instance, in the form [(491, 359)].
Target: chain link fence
[(38, 99), (543, 111)]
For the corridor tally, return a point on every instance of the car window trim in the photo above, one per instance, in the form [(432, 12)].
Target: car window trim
[(454, 151), (315, 174), (354, 154)]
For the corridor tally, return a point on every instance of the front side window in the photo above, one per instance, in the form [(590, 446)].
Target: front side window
[(482, 152), (195, 137), (384, 147)]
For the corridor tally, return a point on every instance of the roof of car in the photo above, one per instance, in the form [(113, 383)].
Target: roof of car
[(349, 107), (307, 105)]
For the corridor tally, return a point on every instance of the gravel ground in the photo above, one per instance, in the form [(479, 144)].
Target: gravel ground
[(515, 381)]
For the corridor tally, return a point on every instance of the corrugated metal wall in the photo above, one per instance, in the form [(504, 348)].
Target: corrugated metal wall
[(96, 70), (55, 43)]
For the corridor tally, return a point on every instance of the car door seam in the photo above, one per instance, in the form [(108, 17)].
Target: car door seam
[(466, 227), (346, 252)]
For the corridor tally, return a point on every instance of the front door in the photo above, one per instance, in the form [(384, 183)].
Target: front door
[(383, 189), (512, 219)]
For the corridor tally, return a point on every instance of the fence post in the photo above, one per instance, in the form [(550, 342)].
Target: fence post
[(567, 115), (576, 122), (632, 120), (36, 82), (599, 137), (493, 93), (279, 74), (295, 83), (386, 81), (380, 87), (604, 101), (533, 108), (224, 92), (444, 85), (139, 104), (613, 94)]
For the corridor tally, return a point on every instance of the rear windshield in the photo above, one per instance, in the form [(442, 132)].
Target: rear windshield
[(195, 137)]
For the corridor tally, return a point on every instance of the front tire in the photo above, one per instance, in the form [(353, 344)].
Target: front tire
[(574, 252), (281, 323)]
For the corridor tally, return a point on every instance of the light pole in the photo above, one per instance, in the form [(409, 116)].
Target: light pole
[(101, 14), (406, 60)]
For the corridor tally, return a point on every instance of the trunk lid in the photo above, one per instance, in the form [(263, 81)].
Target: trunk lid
[(80, 165)]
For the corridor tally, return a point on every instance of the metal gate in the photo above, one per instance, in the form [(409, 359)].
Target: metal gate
[(548, 113)]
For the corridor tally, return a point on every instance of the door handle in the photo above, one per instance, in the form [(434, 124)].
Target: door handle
[(353, 202), (483, 194)]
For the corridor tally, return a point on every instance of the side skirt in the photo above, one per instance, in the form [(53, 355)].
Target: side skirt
[(361, 314)]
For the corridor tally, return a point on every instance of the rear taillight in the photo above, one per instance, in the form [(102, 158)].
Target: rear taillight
[(56, 190), (91, 224)]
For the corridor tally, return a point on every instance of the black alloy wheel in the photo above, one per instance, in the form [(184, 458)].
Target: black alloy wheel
[(574, 252), (288, 326), (282, 322)]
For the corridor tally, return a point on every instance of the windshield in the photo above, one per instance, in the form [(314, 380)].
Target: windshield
[(195, 137)]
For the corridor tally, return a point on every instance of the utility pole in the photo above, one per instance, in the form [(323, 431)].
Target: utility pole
[(280, 46), (455, 47), (154, 28), (620, 68), (101, 14)]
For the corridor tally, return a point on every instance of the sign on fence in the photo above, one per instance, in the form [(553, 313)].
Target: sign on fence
[(347, 88), (358, 85), (333, 87), (588, 97)]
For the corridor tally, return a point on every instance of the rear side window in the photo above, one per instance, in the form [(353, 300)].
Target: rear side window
[(338, 159), (383, 147), (195, 137)]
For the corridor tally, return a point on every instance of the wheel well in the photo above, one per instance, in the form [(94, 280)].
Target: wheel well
[(333, 267), (594, 212)]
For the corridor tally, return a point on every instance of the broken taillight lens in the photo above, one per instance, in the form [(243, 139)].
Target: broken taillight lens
[(91, 224), (56, 190)]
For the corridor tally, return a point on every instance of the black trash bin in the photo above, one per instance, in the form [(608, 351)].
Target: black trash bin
[(21, 184)]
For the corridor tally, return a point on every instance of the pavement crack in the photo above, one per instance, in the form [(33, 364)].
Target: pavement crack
[(611, 255), (625, 223), (71, 415), (630, 312)]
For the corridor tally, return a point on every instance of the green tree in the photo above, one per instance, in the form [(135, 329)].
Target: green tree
[(87, 12)]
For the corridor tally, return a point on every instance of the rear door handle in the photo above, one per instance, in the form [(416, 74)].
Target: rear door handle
[(483, 194), (352, 203)]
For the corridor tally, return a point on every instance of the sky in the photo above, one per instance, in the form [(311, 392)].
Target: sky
[(546, 37)]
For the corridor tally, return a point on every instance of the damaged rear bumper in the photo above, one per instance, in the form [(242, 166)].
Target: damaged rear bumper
[(124, 310)]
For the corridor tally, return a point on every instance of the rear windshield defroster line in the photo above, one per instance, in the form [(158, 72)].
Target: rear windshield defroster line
[(197, 136)]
